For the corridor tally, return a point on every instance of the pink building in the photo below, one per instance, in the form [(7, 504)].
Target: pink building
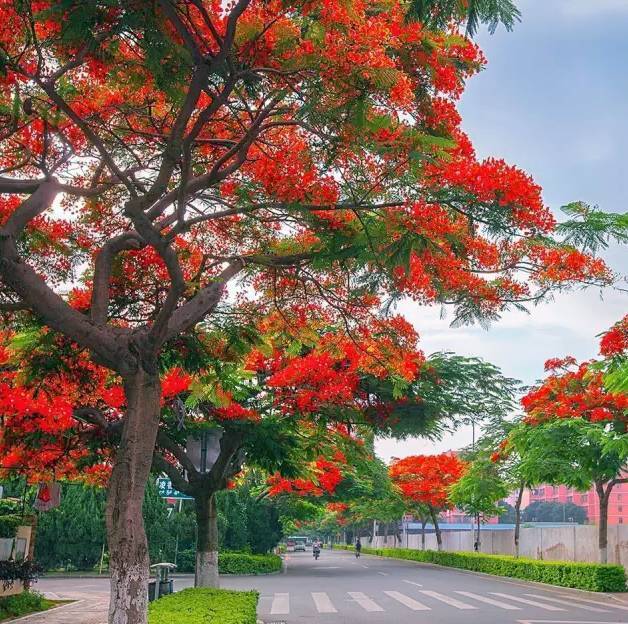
[(617, 505)]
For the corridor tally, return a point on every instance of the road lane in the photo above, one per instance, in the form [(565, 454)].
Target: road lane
[(338, 589)]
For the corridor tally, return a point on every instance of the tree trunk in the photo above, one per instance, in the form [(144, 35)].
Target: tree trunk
[(603, 528), (207, 542), (439, 537), (478, 542), (128, 548), (386, 533), (518, 518), (423, 523)]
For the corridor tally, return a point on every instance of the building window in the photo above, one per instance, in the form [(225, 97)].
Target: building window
[(570, 499), (621, 521), (584, 498), (620, 509)]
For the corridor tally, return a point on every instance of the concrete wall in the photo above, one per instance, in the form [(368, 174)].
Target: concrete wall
[(24, 534), (570, 543)]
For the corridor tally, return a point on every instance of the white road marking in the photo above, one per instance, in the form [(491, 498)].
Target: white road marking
[(329, 567), (447, 600), (323, 603), (529, 602), (495, 603), (281, 604), (563, 622), (596, 602), (411, 603), (384, 573), (568, 603), (364, 566), (412, 583), (365, 602)]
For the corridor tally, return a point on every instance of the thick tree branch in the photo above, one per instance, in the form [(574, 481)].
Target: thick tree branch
[(102, 273), (204, 302)]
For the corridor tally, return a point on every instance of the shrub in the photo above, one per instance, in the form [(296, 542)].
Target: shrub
[(588, 576), (205, 606), (11, 571), (243, 563), (22, 604), (9, 524)]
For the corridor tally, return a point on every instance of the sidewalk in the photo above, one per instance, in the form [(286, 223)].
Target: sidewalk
[(86, 610)]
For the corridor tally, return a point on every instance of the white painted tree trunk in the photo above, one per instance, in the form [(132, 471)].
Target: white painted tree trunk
[(206, 574)]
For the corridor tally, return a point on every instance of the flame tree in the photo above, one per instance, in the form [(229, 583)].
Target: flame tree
[(574, 431), (426, 480), (170, 159)]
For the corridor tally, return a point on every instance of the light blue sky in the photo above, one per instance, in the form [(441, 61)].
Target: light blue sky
[(554, 101)]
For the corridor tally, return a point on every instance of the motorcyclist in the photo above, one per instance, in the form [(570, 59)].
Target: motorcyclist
[(316, 549), (358, 547)]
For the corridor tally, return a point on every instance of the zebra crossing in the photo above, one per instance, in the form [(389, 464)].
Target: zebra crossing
[(417, 599)]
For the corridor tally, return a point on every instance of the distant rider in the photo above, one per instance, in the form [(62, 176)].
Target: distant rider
[(316, 549), (358, 547)]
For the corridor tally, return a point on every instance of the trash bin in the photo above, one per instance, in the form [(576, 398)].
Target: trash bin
[(163, 584)]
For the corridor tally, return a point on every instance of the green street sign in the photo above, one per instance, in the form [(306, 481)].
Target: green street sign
[(164, 486)]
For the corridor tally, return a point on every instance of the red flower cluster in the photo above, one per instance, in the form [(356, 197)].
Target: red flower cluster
[(427, 478), (574, 391), (615, 341)]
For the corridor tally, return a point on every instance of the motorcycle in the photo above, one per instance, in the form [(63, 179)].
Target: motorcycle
[(317, 553)]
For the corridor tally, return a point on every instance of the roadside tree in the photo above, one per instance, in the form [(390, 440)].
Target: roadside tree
[(427, 480)]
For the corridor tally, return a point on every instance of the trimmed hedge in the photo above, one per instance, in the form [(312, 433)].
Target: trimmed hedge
[(588, 576), (205, 606), (244, 563)]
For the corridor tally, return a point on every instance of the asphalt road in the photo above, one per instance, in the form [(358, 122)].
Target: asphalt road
[(338, 589)]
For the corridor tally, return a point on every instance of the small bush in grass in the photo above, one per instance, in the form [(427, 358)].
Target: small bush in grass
[(243, 563), (205, 606), (589, 576), (22, 604)]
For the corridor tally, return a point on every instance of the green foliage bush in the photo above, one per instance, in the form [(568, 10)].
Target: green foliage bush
[(243, 563), (205, 606), (588, 576), (9, 525), (232, 562), (22, 604)]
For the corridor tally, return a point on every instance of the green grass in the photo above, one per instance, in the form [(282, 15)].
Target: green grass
[(205, 606), (23, 604), (589, 576)]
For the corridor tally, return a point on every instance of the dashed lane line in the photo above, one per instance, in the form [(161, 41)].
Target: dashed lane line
[(412, 583)]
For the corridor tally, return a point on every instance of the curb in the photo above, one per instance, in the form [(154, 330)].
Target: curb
[(36, 613)]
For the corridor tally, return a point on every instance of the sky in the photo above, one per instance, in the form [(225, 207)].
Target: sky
[(552, 100)]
